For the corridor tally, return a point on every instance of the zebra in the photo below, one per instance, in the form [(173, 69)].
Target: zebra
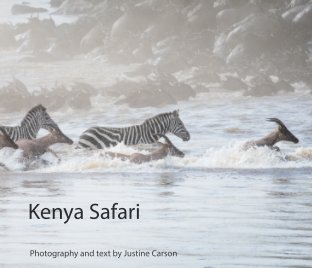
[(35, 119), (146, 133)]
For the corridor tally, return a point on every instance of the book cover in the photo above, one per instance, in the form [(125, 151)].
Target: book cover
[(155, 133)]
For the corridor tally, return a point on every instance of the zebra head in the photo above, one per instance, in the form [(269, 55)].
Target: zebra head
[(177, 127), (46, 121), (38, 116)]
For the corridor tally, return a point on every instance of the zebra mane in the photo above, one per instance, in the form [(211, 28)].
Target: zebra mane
[(174, 113), (38, 107)]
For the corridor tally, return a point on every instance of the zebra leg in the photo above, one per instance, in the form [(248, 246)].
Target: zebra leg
[(174, 151), (158, 136)]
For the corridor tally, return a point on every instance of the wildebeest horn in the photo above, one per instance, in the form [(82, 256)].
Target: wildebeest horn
[(277, 121)]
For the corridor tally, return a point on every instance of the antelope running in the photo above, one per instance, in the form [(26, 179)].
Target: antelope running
[(166, 149), (280, 134), (146, 133), (39, 146), (35, 119)]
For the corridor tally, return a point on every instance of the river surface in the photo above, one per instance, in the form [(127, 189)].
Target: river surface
[(218, 207)]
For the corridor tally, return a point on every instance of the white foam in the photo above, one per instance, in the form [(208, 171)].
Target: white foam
[(11, 158), (228, 156)]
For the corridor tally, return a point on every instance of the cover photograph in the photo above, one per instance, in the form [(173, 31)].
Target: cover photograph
[(156, 133)]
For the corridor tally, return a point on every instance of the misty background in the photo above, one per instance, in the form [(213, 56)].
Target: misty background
[(150, 53)]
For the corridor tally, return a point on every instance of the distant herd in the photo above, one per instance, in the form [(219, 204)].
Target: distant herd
[(24, 137)]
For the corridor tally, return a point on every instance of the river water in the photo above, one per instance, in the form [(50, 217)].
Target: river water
[(217, 207)]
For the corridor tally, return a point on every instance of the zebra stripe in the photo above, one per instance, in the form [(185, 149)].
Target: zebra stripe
[(35, 119), (148, 132)]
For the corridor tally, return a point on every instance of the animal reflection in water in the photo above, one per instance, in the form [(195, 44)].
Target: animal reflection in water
[(165, 149), (280, 134)]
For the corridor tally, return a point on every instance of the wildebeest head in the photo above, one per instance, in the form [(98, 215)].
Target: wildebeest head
[(61, 137)]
